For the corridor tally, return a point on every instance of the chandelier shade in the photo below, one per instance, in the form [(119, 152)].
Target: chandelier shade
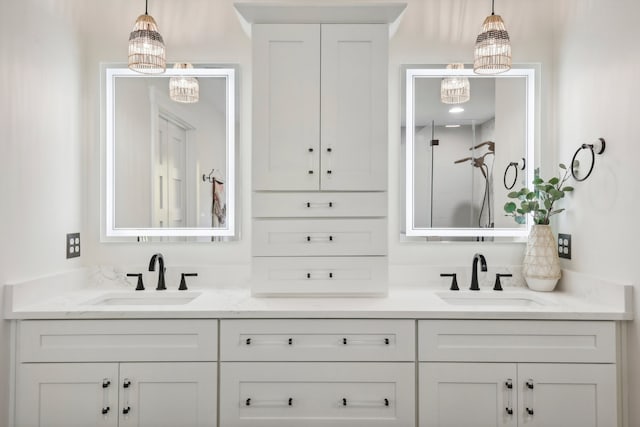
[(455, 90), (146, 46), (184, 89), (492, 53)]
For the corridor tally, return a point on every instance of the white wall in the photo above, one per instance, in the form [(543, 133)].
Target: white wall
[(597, 87), (40, 149)]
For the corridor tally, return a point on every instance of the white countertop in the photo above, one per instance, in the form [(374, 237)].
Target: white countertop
[(400, 303)]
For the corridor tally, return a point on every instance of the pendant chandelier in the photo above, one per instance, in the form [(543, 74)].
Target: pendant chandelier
[(146, 46), (492, 53), (455, 90), (185, 89)]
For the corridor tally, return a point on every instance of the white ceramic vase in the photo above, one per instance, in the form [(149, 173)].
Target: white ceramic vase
[(541, 265)]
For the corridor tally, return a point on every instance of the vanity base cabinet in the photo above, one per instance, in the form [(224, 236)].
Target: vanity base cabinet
[(336, 394), (112, 394), (522, 394)]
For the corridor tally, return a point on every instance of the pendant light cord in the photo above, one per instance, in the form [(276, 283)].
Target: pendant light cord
[(146, 4), (492, 8)]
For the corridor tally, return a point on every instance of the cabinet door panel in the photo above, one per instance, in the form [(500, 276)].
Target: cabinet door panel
[(168, 394), (354, 107), (467, 394), (67, 395), (567, 395), (286, 106)]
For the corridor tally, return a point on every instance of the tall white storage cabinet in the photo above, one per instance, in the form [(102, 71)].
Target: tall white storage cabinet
[(320, 147)]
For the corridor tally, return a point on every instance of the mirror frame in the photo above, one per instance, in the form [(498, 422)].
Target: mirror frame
[(410, 77), (110, 228)]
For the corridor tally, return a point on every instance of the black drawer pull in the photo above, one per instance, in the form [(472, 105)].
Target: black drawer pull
[(290, 341), (329, 150), (106, 410), (126, 410), (344, 402), (529, 385), (248, 341), (329, 172), (248, 402), (310, 150), (344, 341), (530, 411), (106, 383), (308, 275), (310, 172), (126, 383), (330, 275), (308, 238), (290, 401), (509, 411), (386, 341), (386, 402)]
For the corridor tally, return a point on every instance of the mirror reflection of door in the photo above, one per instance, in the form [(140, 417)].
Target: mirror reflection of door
[(169, 171)]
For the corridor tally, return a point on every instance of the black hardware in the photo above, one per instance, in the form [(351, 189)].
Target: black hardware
[(310, 150), (210, 178), (310, 172), (106, 410), (509, 411), (329, 171), (290, 341), (344, 341), (515, 177), (183, 283), (308, 204), (308, 238), (386, 341), (529, 385), (434, 142), (474, 271), (126, 410), (498, 286), (161, 270), (330, 275), (248, 341), (344, 402), (331, 238), (454, 281), (126, 383), (530, 411), (509, 385), (386, 402), (139, 285), (308, 275), (330, 204), (290, 401), (599, 146), (106, 383), (329, 150), (248, 402)]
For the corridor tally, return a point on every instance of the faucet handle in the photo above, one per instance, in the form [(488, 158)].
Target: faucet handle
[(183, 282), (454, 281), (498, 286), (139, 285)]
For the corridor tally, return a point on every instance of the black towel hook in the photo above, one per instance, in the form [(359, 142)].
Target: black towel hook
[(515, 166)]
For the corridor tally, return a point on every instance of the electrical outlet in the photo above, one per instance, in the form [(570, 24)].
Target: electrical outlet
[(564, 245), (73, 245)]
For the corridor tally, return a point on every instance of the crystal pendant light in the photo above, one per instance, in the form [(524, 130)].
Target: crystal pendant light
[(146, 47), (184, 89), (492, 53), (455, 90)]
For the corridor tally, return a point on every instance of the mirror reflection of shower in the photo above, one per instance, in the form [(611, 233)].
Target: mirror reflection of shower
[(457, 191)]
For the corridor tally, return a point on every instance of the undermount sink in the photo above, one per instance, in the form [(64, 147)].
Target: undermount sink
[(493, 298), (144, 298)]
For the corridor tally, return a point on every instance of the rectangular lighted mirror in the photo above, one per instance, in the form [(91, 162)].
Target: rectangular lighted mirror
[(462, 159), (169, 165)]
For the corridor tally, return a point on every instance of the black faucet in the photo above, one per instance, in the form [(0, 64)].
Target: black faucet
[(474, 271), (161, 270)]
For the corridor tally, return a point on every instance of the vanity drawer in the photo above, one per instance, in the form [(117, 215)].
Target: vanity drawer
[(320, 237), (317, 340), (117, 340), (319, 204), (516, 341), (319, 276), (317, 394)]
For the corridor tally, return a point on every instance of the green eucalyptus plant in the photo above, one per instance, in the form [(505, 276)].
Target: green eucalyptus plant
[(539, 202)]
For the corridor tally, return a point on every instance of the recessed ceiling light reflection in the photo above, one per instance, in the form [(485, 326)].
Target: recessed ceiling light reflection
[(456, 110), (452, 126)]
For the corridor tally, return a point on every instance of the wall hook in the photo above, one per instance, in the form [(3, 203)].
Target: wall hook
[(595, 148), (521, 165)]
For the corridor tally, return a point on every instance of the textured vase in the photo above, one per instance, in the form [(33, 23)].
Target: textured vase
[(541, 265)]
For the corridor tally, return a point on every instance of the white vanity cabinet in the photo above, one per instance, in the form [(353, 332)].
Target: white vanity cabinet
[(517, 373), (317, 373), (320, 107), (147, 373)]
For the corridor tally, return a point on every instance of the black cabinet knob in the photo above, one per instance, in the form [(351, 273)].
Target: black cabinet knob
[(106, 410), (126, 410)]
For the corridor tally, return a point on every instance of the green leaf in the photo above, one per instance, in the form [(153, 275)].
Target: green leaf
[(531, 196), (510, 207), (554, 181), (562, 166), (521, 219), (538, 180), (548, 203), (513, 195), (567, 188)]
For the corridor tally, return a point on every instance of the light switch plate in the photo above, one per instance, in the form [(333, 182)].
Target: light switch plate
[(73, 245), (564, 245)]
